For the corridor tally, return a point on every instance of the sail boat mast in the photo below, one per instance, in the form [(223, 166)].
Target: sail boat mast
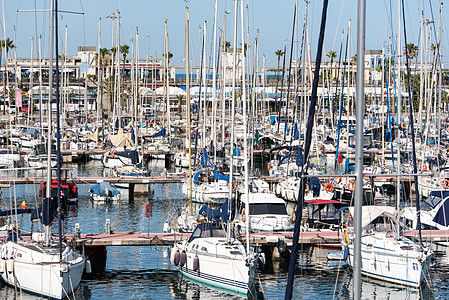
[(188, 108), (360, 112)]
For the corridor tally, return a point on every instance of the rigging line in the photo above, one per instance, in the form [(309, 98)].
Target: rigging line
[(410, 100), (84, 22), (338, 25), (307, 143), (35, 27)]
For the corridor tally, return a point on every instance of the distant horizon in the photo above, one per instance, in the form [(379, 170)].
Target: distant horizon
[(274, 22)]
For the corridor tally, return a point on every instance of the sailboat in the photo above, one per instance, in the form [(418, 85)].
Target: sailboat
[(211, 254), (386, 254), (376, 248), (43, 266)]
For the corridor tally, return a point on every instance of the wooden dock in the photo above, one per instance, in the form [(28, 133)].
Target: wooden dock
[(323, 238), (6, 182)]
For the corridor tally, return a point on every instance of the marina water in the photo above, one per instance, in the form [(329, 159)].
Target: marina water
[(146, 273)]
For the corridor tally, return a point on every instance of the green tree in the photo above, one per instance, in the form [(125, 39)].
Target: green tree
[(169, 56), (411, 50), (332, 54), (124, 50), (279, 54), (7, 45)]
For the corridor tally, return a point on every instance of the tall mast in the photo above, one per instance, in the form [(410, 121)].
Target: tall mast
[(50, 96), (214, 84), (233, 99), (245, 131), (188, 108), (58, 133), (360, 112), (99, 75)]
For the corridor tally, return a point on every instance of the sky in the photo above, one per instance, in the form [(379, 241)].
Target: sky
[(273, 20)]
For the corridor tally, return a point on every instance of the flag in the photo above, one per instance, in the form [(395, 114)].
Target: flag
[(23, 205)]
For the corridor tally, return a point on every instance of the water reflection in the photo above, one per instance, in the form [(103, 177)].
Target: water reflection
[(146, 272)]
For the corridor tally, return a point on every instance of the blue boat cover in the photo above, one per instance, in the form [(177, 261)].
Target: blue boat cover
[(219, 176), (222, 214), (205, 161), (160, 133), (197, 176), (100, 189), (442, 216), (315, 186), (32, 131), (132, 154)]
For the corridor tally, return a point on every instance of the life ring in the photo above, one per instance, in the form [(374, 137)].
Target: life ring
[(244, 215), (268, 166), (351, 185), (445, 183), (293, 216), (424, 167), (307, 187), (234, 187), (112, 154), (329, 187)]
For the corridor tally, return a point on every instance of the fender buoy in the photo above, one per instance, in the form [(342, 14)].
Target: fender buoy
[(196, 263), (293, 216), (268, 166), (346, 237), (261, 261), (351, 185), (339, 158), (183, 258), (177, 258), (445, 183), (2, 265), (329, 187), (307, 187), (244, 215), (10, 265)]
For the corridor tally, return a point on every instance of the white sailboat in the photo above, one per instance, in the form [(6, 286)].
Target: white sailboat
[(386, 255), (43, 266), (36, 268), (211, 255)]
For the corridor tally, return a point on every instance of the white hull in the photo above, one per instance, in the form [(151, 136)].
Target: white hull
[(386, 259), (39, 272), (217, 267)]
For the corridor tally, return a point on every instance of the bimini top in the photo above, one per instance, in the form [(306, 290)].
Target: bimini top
[(370, 212), (205, 230)]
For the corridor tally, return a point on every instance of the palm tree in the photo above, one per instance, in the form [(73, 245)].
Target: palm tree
[(434, 48), (279, 54), (411, 50), (169, 56), (7, 44), (124, 50), (332, 54), (227, 45)]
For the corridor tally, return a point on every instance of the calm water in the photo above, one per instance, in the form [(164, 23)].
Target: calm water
[(146, 272)]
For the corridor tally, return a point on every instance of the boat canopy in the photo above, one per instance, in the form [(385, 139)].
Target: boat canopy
[(222, 214), (442, 216), (204, 230), (370, 213), (100, 189)]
